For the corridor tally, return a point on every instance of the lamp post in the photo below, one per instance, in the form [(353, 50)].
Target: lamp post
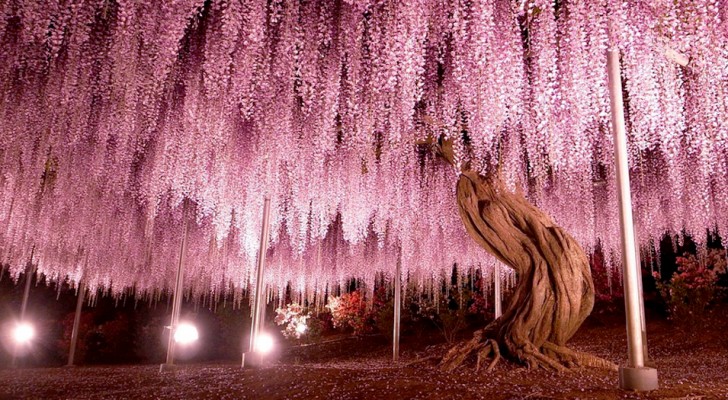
[(635, 376), (30, 270), (76, 321), (257, 312), (397, 307), (177, 301)]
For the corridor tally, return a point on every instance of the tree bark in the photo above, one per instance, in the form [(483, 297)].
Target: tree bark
[(554, 293)]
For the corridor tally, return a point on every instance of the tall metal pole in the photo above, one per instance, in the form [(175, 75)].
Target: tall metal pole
[(257, 312), (635, 376), (177, 300), (498, 293), (645, 354), (77, 320), (30, 270), (397, 307)]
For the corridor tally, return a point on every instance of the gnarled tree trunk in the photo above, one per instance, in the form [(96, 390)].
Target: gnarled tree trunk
[(554, 293)]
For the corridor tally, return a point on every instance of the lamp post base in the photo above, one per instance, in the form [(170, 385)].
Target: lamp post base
[(168, 368), (253, 360), (642, 379)]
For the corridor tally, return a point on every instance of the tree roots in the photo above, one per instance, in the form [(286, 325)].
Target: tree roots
[(550, 356)]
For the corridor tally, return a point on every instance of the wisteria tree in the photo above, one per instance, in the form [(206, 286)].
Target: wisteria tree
[(114, 112)]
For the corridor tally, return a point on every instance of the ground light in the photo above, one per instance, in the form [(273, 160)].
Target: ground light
[(264, 343), (186, 333), (23, 333)]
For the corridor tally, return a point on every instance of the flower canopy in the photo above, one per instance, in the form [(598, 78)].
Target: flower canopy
[(116, 113)]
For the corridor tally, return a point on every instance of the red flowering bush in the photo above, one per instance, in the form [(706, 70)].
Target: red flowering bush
[(690, 290), (350, 311)]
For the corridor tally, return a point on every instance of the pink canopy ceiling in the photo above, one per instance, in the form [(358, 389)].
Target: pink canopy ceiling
[(113, 112)]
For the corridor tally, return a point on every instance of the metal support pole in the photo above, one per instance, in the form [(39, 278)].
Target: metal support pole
[(498, 293), (76, 321), (397, 308), (642, 303), (29, 271), (177, 300), (257, 312), (635, 376)]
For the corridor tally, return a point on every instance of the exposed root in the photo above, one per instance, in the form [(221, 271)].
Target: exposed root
[(550, 356), (491, 347), (479, 345), (535, 358), (422, 360), (482, 355), (457, 355), (578, 359)]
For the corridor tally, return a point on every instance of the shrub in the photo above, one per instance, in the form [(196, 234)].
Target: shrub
[(350, 311), (63, 344), (691, 289), (110, 342), (295, 320), (450, 320), (299, 323), (319, 325), (454, 311)]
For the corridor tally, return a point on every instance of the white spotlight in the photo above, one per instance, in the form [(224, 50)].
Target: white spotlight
[(23, 333), (186, 334), (301, 328), (264, 343)]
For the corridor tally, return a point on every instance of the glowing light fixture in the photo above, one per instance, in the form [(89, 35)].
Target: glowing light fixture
[(186, 333), (301, 328), (23, 333), (264, 343)]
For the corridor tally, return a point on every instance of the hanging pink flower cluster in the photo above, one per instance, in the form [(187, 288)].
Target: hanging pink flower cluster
[(120, 122)]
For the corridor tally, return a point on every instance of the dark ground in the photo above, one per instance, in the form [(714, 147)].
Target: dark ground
[(692, 364)]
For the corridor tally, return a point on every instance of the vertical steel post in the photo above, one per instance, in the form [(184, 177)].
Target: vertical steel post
[(77, 320), (635, 376), (30, 270), (257, 312), (397, 307), (177, 300), (645, 354), (498, 292)]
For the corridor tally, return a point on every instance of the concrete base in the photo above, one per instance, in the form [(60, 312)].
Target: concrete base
[(167, 368), (253, 360), (642, 379)]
